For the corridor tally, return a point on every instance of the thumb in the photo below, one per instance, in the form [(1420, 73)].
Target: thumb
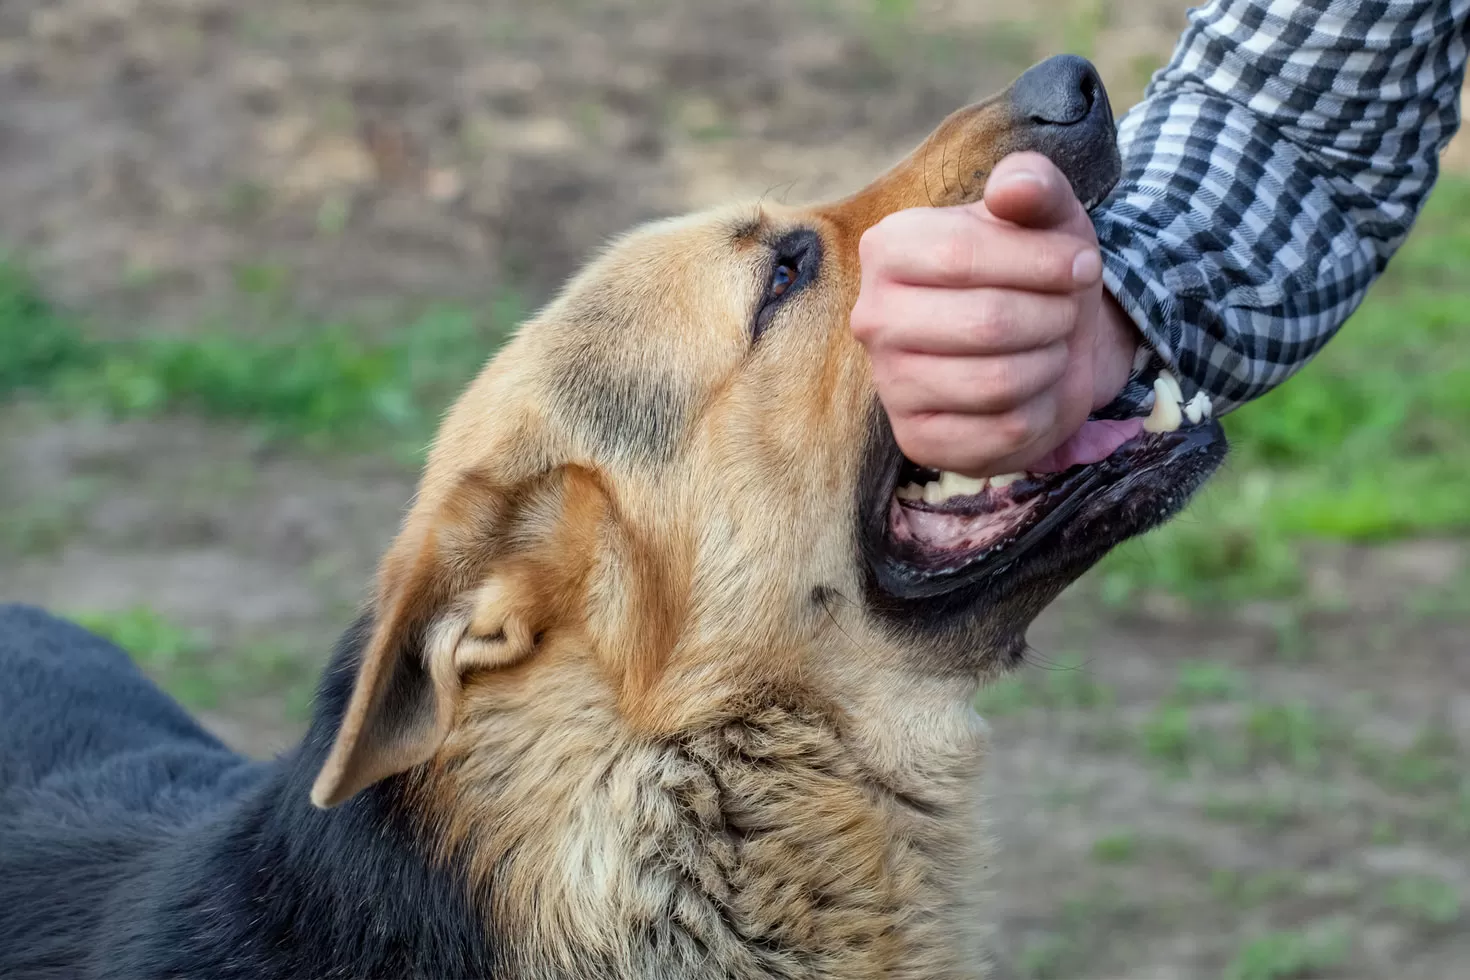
[(1027, 189)]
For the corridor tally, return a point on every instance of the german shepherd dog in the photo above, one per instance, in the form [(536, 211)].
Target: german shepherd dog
[(662, 677)]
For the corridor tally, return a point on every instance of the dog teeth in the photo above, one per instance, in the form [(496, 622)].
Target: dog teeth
[(955, 485), (1166, 416), (951, 485), (1173, 383), (1199, 408), (938, 491)]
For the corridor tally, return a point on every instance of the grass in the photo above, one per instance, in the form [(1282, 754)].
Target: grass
[(1064, 684), (1051, 957), (1289, 955), (1319, 750), (1066, 949), (1174, 738), (1263, 811), (1329, 454), (39, 343), (327, 384), (1294, 734), (1422, 899), (1119, 847), (1252, 889), (1433, 760), (187, 665), (41, 524), (1204, 681), (177, 657)]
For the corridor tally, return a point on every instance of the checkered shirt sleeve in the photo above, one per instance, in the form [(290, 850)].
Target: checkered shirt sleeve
[(1271, 171)]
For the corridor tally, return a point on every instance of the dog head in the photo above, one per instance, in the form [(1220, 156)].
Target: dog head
[(676, 485)]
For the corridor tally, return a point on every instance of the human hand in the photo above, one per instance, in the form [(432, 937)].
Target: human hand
[(990, 335)]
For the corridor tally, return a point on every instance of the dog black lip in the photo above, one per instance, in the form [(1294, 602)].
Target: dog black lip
[(1081, 493)]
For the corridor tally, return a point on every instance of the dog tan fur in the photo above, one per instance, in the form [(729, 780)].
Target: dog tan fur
[(621, 645)]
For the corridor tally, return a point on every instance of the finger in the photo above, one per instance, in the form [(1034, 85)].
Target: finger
[(1028, 190), (960, 247), (930, 320), (975, 445), (920, 384)]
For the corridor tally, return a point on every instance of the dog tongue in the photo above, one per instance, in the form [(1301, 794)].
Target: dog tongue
[(1095, 441)]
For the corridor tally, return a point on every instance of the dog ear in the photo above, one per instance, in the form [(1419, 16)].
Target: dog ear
[(471, 587)]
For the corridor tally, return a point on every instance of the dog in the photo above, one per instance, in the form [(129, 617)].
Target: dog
[(668, 672)]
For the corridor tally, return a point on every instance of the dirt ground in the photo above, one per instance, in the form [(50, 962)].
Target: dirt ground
[(383, 154)]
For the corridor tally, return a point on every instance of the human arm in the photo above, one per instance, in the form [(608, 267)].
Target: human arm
[(1271, 171)]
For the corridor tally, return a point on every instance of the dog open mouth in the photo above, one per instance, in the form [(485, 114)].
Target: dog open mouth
[(930, 533)]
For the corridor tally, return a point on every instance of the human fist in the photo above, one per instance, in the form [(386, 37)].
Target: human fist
[(987, 326)]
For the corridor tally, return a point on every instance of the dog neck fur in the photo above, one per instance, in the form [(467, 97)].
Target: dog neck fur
[(779, 839)]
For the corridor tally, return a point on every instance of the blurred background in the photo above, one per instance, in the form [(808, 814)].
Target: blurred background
[(248, 252)]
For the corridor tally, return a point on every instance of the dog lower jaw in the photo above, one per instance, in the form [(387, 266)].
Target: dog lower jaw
[(979, 547), (782, 843)]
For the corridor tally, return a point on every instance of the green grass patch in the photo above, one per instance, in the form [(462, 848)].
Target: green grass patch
[(1007, 696), (1452, 817), (1434, 760), (1290, 955), (1169, 737), (1295, 735), (179, 659), (329, 384), (187, 664), (1328, 454), (1066, 684), (1115, 848), (1067, 949), (1203, 681), (1182, 738), (1176, 739), (1422, 899), (41, 524), (1250, 889), (1050, 957), (37, 342), (1266, 811)]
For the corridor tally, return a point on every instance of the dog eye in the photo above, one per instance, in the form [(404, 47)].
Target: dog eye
[(797, 257), (782, 279)]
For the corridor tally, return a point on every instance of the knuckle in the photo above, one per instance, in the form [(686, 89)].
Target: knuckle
[(989, 316), (866, 320), (1054, 321), (1009, 381), (881, 242), (932, 441), (872, 246), (954, 254), (1052, 361), (1014, 429), (1052, 263), (914, 439), (994, 381)]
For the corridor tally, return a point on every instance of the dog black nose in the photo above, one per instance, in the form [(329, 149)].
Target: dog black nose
[(1060, 91), (1060, 108)]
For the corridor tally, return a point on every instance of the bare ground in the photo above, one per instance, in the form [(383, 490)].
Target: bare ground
[(154, 151)]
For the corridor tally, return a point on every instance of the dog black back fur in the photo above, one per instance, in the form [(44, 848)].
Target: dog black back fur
[(133, 844)]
